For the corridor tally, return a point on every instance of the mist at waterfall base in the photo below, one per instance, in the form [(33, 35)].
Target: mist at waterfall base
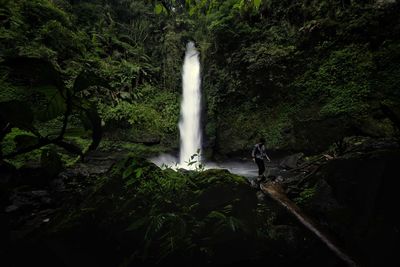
[(244, 168), (190, 127)]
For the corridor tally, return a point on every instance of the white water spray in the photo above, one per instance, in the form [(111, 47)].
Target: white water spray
[(189, 124)]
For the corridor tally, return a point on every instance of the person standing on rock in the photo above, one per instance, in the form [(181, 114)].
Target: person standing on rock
[(258, 154)]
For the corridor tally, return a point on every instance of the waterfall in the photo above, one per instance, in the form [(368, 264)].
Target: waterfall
[(189, 124)]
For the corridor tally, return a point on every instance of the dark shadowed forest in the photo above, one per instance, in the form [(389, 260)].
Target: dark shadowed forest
[(91, 96)]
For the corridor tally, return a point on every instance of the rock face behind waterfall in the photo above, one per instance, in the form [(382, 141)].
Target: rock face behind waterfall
[(355, 196)]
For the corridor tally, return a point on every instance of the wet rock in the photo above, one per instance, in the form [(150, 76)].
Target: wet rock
[(292, 191), (291, 162), (253, 183), (57, 185), (354, 144), (288, 234), (23, 199), (356, 196), (316, 135), (39, 193), (11, 208), (46, 200), (219, 189), (260, 195), (323, 199), (272, 171), (6, 170), (74, 174), (30, 199)]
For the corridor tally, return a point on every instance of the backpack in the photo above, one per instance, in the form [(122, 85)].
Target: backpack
[(258, 148)]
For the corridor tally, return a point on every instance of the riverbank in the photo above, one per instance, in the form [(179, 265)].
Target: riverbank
[(112, 202)]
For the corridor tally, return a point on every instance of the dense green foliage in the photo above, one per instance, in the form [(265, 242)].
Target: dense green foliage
[(267, 66), (301, 61), (85, 56), (163, 216)]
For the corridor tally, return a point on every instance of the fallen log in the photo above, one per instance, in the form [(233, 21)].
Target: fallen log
[(276, 192)]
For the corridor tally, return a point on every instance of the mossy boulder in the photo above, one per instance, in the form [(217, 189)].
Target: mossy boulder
[(354, 197)]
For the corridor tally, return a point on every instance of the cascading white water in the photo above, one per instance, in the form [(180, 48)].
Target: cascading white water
[(189, 124)]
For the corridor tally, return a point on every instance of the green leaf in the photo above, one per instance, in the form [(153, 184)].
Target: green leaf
[(155, 225), (192, 10), (125, 95), (47, 90), (130, 182), (234, 224), (257, 3), (75, 132), (33, 71), (159, 8), (128, 172), (86, 79), (137, 224), (55, 105), (217, 215), (139, 172)]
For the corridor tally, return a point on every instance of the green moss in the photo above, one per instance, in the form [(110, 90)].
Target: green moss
[(243, 126), (117, 144), (41, 11), (10, 92), (341, 82), (155, 116), (278, 122), (215, 176), (9, 145)]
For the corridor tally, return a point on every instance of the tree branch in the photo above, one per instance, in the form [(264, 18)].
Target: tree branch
[(66, 115), (42, 142)]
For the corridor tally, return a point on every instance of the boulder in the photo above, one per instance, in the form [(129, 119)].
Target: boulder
[(355, 197), (291, 162)]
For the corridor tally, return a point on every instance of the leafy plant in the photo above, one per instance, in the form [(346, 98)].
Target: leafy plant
[(305, 196), (195, 160), (58, 101), (166, 209), (132, 174)]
